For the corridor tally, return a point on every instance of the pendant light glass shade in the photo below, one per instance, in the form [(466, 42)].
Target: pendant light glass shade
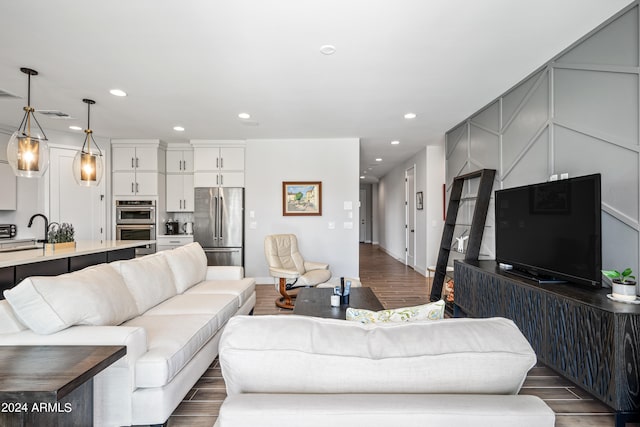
[(88, 162), (27, 150)]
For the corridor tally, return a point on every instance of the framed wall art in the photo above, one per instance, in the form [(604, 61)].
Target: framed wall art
[(419, 204), (301, 198)]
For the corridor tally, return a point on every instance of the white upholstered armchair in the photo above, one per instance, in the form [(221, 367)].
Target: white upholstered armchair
[(292, 271)]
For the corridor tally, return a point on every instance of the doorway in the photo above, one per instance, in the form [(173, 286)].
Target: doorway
[(83, 207), (363, 215), (410, 216)]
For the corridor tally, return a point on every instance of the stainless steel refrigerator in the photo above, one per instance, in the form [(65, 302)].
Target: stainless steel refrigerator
[(219, 224)]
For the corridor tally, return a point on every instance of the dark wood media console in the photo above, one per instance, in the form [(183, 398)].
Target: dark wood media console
[(578, 332)]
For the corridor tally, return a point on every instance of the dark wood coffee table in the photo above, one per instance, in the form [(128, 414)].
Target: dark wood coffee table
[(317, 302), (51, 385)]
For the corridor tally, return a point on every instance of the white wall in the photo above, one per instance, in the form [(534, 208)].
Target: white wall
[(429, 177), (433, 204), (335, 162)]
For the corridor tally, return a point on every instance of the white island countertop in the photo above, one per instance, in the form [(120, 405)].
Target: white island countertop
[(83, 247)]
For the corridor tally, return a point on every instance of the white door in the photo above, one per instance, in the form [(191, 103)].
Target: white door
[(410, 216), (363, 216), (83, 207)]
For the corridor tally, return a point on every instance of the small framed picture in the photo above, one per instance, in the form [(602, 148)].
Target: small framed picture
[(303, 198), (419, 204)]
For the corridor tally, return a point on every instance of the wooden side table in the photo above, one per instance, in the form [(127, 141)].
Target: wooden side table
[(51, 385)]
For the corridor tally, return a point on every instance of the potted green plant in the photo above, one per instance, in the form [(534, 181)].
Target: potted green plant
[(60, 236), (623, 284)]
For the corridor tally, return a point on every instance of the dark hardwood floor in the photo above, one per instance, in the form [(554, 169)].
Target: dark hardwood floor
[(397, 285)]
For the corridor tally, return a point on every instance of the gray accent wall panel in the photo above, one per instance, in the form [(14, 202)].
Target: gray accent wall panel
[(617, 235), (485, 146), (527, 123), (603, 102), (512, 99), (532, 166), (489, 118), (597, 48), (577, 114), (585, 155), (457, 156)]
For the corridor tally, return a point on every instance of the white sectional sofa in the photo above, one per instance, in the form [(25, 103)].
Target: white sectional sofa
[(169, 309), (286, 371)]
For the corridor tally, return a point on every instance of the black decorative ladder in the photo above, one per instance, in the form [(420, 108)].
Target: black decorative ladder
[(477, 224)]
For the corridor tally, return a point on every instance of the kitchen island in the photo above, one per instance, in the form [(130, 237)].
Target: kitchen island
[(19, 264)]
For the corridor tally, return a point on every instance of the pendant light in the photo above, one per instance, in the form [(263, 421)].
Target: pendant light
[(87, 163), (27, 150)]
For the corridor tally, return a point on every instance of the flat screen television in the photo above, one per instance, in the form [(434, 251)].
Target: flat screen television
[(551, 232)]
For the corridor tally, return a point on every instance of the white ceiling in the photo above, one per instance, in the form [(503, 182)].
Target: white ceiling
[(198, 63)]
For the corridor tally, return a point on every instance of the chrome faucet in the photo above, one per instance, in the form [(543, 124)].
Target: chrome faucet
[(46, 227)]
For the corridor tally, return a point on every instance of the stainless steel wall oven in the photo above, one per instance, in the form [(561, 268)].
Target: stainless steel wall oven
[(136, 220), (135, 212)]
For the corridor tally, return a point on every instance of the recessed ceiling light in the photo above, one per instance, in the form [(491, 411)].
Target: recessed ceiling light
[(178, 128), (118, 92), (362, 177), (378, 159), (395, 142), (410, 116), (75, 128), (327, 49), (244, 116)]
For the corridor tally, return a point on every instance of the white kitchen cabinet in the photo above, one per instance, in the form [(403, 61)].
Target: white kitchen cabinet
[(8, 195), (179, 161), (137, 167), (231, 159), (218, 179), (179, 178), (180, 193), (135, 184), (218, 159), (218, 166), (164, 243), (135, 158)]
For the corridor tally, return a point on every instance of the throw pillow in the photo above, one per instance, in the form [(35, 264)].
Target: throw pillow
[(430, 311), (188, 265), (148, 278), (93, 296)]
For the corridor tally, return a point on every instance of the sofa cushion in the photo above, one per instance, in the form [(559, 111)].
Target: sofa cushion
[(384, 410), (148, 278), (441, 356), (8, 321), (188, 265), (221, 306), (95, 295), (430, 311), (172, 341), (243, 289)]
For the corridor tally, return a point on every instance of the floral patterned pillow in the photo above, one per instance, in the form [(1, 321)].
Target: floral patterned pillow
[(430, 311)]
